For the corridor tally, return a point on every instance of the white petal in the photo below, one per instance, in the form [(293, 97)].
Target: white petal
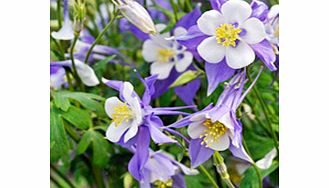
[(179, 31), (236, 11), (131, 132), (226, 120), (86, 73), (240, 56), (195, 129), (114, 133), (160, 28), (211, 51), (187, 171), (161, 69), (255, 31), (198, 117), (65, 33), (149, 50), (221, 144), (209, 21), (266, 162), (110, 103), (182, 64)]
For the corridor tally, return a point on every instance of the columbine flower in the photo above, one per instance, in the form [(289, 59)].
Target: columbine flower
[(217, 128), (228, 38), (137, 15), (230, 32), (57, 77), (85, 72), (162, 170), (66, 32), (130, 113), (166, 54)]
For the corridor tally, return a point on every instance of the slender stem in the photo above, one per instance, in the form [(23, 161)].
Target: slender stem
[(260, 178), (62, 176), (99, 37), (75, 72), (55, 181), (59, 46), (213, 182), (59, 13), (264, 108), (69, 79), (222, 170)]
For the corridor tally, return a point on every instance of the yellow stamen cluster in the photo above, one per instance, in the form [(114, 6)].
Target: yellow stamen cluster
[(164, 55), (122, 112), (214, 129), (227, 34), (161, 184)]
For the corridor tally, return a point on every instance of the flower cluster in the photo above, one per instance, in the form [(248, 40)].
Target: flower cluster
[(178, 115)]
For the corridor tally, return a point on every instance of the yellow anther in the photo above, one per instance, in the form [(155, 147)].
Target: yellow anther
[(227, 34), (164, 55), (215, 129), (161, 184), (122, 112)]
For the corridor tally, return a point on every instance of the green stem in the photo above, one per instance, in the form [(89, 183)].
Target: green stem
[(69, 80), (62, 176), (59, 13), (59, 46), (264, 108), (222, 170), (260, 178), (98, 177), (99, 37), (75, 72), (212, 181), (55, 181)]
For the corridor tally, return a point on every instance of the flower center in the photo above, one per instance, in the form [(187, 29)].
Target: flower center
[(161, 184), (122, 112), (164, 55), (227, 34), (214, 129)]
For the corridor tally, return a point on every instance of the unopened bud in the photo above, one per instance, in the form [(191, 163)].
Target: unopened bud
[(79, 15), (137, 15)]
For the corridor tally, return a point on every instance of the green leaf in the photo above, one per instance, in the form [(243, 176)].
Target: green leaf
[(250, 179), (99, 145), (58, 137), (185, 78), (78, 117), (61, 101), (84, 142), (258, 145), (100, 66)]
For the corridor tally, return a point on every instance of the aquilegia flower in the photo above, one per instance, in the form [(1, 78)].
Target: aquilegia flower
[(230, 32), (66, 32), (217, 128), (85, 72), (272, 26), (166, 54), (130, 112), (162, 170)]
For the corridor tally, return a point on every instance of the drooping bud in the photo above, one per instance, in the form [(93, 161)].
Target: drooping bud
[(137, 15)]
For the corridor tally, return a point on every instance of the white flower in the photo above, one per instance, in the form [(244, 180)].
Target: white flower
[(137, 15), (164, 54), (230, 34), (216, 134), (126, 116)]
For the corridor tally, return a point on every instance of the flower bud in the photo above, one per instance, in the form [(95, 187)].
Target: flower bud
[(137, 15), (79, 15)]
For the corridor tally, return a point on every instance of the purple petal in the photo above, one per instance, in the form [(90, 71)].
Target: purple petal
[(149, 88), (264, 51), (259, 9), (136, 164), (187, 92), (138, 33), (217, 73), (189, 19), (198, 153), (154, 124), (179, 181), (217, 4)]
